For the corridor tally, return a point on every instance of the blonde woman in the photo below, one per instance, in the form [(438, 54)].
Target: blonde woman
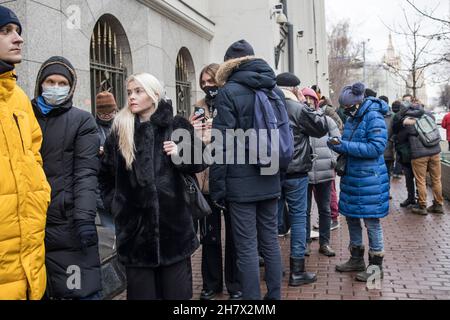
[(154, 228)]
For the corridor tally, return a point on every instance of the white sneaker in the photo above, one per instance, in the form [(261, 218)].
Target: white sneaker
[(335, 225), (314, 235)]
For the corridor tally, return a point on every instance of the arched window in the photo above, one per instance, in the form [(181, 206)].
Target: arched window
[(185, 81), (110, 59)]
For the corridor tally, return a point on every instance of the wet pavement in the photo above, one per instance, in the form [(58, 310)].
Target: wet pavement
[(417, 262)]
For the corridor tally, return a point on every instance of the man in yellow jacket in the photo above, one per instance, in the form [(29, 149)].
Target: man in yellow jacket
[(24, 191)]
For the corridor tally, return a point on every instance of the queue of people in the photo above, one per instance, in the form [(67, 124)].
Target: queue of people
[(61, 166)]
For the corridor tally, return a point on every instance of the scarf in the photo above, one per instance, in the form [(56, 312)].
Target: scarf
[(45, 108)]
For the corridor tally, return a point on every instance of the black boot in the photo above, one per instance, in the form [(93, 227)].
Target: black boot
[(408, 202), (298, 275), (356, 262), (375, 260)]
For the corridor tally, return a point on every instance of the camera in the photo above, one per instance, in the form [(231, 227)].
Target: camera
[(278, 8)]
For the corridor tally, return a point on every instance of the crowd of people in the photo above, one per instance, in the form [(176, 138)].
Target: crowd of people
[(61, 168)]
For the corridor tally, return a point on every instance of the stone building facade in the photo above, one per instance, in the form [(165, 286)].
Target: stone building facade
[(108, 40)]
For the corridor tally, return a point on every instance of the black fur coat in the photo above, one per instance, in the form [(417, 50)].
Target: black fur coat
[(153, 225)]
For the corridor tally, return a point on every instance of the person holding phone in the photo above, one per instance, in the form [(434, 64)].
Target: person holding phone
[(365, 184), (154, 228), (211, 228)]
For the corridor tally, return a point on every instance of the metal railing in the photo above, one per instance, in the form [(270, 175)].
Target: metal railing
[(106, 64), (183, 87)]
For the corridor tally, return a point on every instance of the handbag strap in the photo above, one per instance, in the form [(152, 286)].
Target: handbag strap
[(357, 126)]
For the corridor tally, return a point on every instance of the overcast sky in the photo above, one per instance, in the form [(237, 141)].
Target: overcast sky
[(367, 19)]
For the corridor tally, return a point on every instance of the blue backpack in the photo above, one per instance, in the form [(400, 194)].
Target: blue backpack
[(271, 114)]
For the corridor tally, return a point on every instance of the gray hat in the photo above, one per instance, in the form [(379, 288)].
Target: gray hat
[(352, 95)]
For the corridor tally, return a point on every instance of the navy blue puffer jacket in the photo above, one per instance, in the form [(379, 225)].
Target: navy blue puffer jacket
[(365, 186)]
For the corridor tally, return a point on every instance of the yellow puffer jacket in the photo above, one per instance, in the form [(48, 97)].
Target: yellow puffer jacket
[(24, 197)]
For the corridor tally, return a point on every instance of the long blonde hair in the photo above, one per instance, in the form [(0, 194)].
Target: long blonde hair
[(123, 125)]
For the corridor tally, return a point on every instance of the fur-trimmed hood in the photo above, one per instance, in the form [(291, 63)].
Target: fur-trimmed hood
[(249, 71), (289, 95)]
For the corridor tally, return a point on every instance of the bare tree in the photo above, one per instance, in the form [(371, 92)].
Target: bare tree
[(342, 58), (444, 35), (418, 57), (430, 15)]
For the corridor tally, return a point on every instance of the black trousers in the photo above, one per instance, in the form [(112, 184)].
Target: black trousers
[(163, 283), (389, 166), (409, 179), (212, 270)]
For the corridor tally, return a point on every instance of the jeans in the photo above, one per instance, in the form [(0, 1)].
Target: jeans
[(254, 227), (389, 166), (296, 192), (374, 231), (283, 216), (322, 194)]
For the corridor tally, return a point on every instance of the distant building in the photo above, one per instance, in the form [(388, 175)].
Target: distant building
[(386, 82)]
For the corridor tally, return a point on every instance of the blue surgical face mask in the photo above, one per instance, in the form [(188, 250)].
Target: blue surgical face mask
[(56, 95)]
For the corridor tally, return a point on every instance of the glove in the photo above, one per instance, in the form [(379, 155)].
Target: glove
[(221, 205), (87, 233)]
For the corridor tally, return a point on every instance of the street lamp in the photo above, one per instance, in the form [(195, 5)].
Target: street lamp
[(364, 60)]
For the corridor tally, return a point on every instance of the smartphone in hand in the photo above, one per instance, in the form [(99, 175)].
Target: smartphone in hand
[(200, 112), (335, 141)]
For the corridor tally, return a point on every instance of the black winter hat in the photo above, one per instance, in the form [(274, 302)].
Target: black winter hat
[(288, 79), (8, 16), (59, 69), (370, 93), (56, 65), (239, 49), (384, 98)]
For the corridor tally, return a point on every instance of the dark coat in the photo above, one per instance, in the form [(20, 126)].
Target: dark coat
[(70, 153), (235, 106), (331, 112), (305, 123), (154, 227), (409, 134), (104, 129), (389, 153)]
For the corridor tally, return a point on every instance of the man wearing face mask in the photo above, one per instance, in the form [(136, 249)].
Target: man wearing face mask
[(106, 111), (70, 152), (365, 183)]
